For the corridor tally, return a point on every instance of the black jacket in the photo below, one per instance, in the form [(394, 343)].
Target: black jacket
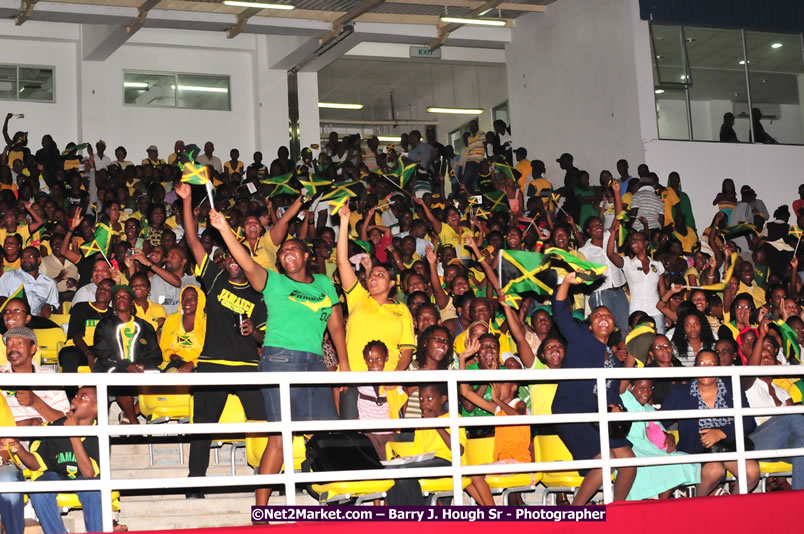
[(109, 345)]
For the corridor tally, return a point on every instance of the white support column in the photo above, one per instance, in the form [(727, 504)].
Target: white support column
[(309, 123), (271, 95)]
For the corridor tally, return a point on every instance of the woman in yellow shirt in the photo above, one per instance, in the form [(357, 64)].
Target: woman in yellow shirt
[(145, 309), (184, 332), (451, 233)]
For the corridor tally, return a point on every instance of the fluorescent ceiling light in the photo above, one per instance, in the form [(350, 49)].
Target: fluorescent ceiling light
[(136, 85), (776, 45), (683, 76), (659, 91), (335, 105), (201, 89), (258, 5), (389, 138), (479, 22), (455, 111), (742, 62)]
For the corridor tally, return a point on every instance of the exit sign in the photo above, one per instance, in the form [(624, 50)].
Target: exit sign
[(423, 51)]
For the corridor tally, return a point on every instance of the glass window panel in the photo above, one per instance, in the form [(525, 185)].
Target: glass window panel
[(671, 114), (203, 92), (668, 60), (717, 83), (776, 75), (35, 83), (8, 82), (149, 89)]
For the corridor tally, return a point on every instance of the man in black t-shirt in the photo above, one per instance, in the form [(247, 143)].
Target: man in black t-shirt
[(236, 315), (65, 458)]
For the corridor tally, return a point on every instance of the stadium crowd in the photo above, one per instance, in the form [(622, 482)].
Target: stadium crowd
[(403, 257)]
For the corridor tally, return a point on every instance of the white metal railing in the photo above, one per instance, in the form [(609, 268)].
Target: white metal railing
[(104, 431)]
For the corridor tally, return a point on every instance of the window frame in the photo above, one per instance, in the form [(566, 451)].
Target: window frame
[(176, 75), (19, 66)]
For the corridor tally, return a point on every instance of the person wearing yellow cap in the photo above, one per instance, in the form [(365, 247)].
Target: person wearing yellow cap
[(153, 157)]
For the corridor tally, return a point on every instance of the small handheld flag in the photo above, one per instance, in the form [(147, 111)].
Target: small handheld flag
[(194, 174), (19, 293)]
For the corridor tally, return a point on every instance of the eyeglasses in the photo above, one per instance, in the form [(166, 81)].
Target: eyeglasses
[(663, 347), (743, 307)]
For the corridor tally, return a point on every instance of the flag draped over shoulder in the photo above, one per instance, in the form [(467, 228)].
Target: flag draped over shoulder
[(100, 242)]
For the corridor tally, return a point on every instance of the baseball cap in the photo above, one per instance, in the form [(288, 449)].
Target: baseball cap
[(122, 286), (20, 331), (565, 155)]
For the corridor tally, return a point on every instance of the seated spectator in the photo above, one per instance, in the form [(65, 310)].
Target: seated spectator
[(711, 434), (40, 290), (56, 266), (184, 331), (378, 402), (17, 313), (30, 407), (125, 343), (151, 312), (66, 458), (84, 318)]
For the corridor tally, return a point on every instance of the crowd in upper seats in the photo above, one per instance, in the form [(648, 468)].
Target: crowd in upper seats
[(359, 257)]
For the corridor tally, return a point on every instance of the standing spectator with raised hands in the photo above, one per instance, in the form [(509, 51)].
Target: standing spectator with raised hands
[(236, 311), (373, 314), (301, 306), (588, 348)]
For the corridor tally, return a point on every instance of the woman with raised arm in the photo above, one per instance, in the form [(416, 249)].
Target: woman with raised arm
[(587, 347), (301, 306)]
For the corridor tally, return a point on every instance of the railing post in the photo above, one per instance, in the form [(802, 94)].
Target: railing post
[(105, 459), (455, 440), (605, 447), (287, 441), (739, 438)]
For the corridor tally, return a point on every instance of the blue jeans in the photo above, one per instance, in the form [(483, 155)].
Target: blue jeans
[(12, 505), (49, 514), (307, 403), (615, 300), (783, 432)]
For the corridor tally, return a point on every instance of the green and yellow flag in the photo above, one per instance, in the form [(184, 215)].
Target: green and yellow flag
[(585, 270), (508, 171), (401, 174), (720, 286), (796, 232), (282, 185), (194, 174), (742, 229), (522, 271), (315, 184), (339, 189), (497, 201), (790, 346), (100, 242)]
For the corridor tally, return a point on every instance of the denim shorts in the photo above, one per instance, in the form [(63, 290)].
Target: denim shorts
[(307, 403)]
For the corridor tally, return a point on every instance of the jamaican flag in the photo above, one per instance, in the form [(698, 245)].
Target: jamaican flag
[(789, 341), (742, 229), (18, 294), (401, 174), (521, 271), (796, 232), (495, 201), (585, 270), (508, 171), (315, 184), (281, 185), (340, 193), (100, 242), (194, 174), (622, 233), (720, 286)]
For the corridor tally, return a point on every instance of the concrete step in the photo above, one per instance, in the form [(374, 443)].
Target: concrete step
[(178, 471)]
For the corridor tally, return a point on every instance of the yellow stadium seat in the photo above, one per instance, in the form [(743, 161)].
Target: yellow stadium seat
[(159, 406), (772, 469), (359, 490), (60, 319), (69, 501), (432, 488), (49, 340), (232, 413), (552, 449), (481, 451), (256, 443), (65, 307)]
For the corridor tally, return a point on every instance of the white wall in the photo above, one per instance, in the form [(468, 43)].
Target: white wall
[(773, 171), (572, 84), (89, 94)]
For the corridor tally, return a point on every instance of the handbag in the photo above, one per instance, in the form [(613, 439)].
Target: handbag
[(617, 429), (340, 451)]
